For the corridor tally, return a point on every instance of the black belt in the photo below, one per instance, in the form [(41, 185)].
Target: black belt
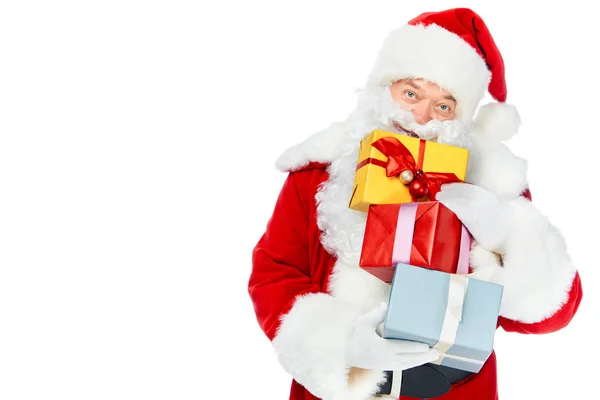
[(426, 381)]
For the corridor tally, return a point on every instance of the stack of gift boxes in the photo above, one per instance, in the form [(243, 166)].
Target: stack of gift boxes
[(421, 248)]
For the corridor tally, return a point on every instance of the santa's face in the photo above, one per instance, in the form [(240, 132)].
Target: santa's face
[(426, 100), (377, 109)]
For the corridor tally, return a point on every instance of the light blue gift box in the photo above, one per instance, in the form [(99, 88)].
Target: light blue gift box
[(417, 311)]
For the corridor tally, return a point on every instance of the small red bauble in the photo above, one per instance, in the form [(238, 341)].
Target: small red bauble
[(418, 189)]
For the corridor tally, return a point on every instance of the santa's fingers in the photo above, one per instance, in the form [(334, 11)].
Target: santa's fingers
[(466, 191), (459, 206), (406, 361), (373, 318), (492, 274), (396, 346)]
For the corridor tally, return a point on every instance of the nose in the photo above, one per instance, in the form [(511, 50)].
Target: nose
[(422, 112)]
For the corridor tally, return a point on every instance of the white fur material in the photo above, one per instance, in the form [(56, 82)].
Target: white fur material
[(319, 147), (318, 361), (493, 166), (537, 272), (347, 280), (437, 55), (497, 121)]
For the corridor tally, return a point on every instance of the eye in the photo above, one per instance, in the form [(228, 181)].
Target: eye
[(411, 94), (444, 108)]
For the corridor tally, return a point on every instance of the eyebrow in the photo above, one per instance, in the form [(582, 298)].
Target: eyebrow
[(450, 98), (411, 83)]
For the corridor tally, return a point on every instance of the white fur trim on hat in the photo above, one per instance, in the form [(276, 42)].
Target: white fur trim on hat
[(439, 56)]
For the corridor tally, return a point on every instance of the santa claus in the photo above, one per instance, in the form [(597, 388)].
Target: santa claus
[(315, 304)]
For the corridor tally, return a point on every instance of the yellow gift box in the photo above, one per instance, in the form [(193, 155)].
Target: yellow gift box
[(372, 185)]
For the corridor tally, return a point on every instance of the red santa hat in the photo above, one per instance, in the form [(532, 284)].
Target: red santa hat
[(454, 49)]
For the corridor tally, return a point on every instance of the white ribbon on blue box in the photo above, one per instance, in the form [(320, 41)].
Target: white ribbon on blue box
[(450, 312)]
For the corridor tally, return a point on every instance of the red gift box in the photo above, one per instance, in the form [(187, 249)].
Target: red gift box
[(423, 234)]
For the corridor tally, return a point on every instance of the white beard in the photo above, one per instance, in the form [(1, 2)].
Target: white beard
[(343, 228)]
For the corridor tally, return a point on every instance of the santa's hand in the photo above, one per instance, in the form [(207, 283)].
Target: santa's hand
[(485, 215), (367, 350)]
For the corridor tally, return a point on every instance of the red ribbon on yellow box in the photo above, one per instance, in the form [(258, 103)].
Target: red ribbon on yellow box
[(443, 163), (400, 159)]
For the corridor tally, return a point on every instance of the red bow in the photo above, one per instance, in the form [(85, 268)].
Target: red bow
[(400, 159)]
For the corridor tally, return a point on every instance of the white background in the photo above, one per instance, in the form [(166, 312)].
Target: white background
[(137, 148)]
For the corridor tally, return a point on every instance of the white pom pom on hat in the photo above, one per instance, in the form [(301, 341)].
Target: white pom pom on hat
[(497, 121)]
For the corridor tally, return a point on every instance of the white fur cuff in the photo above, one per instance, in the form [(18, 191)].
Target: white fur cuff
[(537, 272), (310, 345)]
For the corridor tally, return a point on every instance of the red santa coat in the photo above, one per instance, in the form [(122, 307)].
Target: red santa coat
[(307, 289)]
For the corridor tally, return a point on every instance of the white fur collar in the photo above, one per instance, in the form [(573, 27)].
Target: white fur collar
[(491, 165)]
